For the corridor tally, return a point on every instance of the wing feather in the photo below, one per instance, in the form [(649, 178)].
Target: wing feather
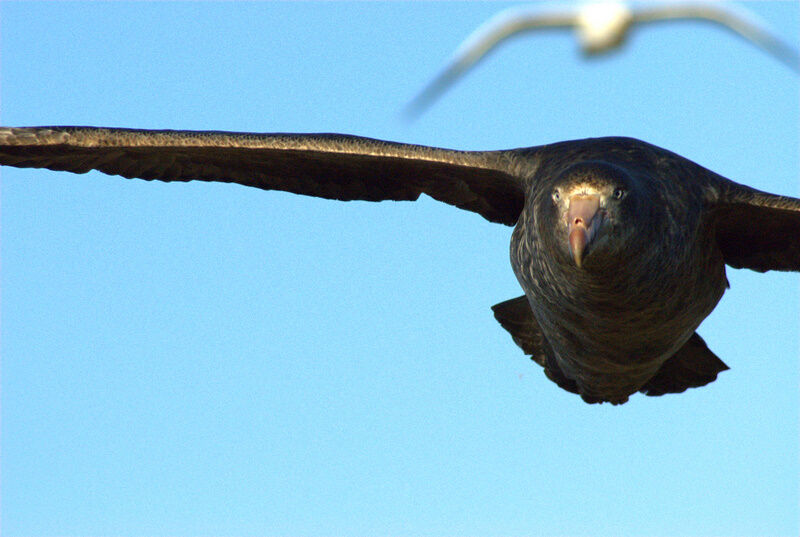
[(500, 28), (331, 166), (754, 229)]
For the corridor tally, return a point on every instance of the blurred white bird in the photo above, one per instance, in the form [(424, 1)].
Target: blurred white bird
[(600, 27)]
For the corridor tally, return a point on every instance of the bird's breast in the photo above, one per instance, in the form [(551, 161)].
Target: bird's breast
[(635, 312)]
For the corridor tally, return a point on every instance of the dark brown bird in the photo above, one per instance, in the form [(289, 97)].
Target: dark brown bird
[(620, 246)]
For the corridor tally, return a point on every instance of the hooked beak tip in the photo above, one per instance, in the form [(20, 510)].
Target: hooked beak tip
[(578, 238), (582, 221)]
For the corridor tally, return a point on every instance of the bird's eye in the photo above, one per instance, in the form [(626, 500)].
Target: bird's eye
[(619, 193), (556, 195)]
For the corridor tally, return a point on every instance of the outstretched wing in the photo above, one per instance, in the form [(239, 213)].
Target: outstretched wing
[(497, 30), (733, 18), (754, 229), (331, 166)]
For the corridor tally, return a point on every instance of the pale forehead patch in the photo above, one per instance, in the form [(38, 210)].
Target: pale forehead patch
[(584, 188)]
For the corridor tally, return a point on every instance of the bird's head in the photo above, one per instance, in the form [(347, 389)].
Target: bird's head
[(603, 26), (592, 208)]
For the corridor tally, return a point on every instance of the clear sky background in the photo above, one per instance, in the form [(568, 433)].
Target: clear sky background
[(210, 359)]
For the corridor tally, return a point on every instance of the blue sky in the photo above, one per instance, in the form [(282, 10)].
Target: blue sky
[(208, 359)]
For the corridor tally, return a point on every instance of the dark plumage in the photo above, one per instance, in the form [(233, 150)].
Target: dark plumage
[(620, 246)]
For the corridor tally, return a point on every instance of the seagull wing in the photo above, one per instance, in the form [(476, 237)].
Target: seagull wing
[(332, 166), (754, 229), (739, 21), (477, 46)]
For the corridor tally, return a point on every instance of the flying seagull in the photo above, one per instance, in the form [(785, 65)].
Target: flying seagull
[(600, 27), (620, 246)]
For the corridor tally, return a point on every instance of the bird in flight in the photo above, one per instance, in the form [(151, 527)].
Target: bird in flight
[(620, 246), (600, 27)]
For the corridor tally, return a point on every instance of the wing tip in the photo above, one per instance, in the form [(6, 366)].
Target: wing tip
[(20, 136)]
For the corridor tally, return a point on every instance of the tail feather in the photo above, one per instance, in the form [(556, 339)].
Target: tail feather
[(516, 317), (694, 365)]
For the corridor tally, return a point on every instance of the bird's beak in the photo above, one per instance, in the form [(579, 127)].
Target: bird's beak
[(583, 221)]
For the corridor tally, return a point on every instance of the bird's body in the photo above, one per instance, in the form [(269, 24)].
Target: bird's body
[(620, 246), (610, 324)]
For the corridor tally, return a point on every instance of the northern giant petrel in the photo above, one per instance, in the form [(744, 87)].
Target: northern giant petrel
[(620, 246)]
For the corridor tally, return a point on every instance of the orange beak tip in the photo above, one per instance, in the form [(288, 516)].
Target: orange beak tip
[(577, 243)]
